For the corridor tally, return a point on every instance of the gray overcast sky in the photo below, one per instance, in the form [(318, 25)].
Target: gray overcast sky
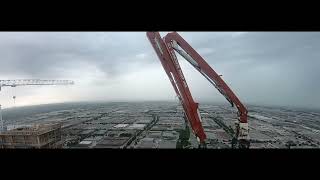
[(267, 68)]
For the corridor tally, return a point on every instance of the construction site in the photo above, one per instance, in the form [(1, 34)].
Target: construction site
[(160, 125), (32, 137)]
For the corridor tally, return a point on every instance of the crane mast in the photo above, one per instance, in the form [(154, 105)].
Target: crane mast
[(165, 49), (29, 82)]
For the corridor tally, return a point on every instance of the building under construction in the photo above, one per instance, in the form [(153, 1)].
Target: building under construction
[(32, 137)]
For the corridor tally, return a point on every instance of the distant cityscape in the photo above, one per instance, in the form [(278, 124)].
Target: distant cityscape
[(159, 125)]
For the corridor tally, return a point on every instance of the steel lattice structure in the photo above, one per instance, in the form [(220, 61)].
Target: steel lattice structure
[(29, 82)]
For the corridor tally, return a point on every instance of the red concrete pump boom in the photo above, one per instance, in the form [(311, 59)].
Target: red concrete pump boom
[(165, 49)]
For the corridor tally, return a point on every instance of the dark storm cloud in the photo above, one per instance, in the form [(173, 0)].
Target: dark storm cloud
[(261, 47), (280, 68), (39, 54)]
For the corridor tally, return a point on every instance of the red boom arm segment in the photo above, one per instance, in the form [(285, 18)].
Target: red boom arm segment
[(165, 49), (177, 79), (174, 39)]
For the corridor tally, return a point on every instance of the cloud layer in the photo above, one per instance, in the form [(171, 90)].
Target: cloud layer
[(268, 68)]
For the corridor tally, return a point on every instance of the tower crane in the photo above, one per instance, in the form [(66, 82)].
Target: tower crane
[(165, 49), (29, 82)]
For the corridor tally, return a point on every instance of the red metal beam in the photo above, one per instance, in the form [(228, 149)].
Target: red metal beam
[(165, 49)]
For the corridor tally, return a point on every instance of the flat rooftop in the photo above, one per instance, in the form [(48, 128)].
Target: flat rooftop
[(32, 129)]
